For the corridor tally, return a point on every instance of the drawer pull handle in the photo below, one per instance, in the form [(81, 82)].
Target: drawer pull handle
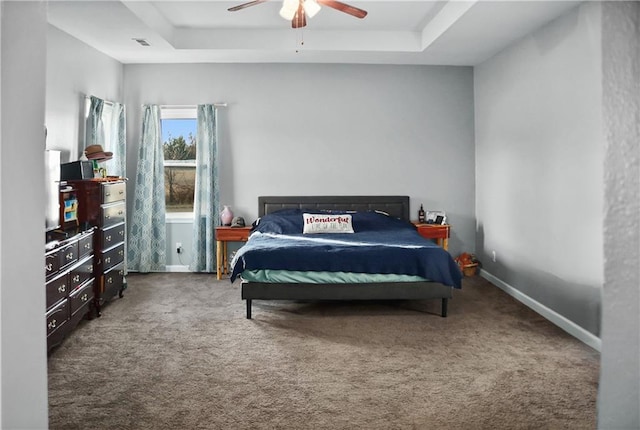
[(107, 260), (121, 252), (121, 192), (84, 297), (121, 232), (108, 193), (109, 280), (120, 212), (108, 238), (69, 256), (52, 324), (62, 288), (48, 267), (87, 246), (121, 272), (107, 216), (76, 278), (90, 268)]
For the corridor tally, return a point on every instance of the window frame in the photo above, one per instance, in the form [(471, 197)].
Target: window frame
[(179, 112)]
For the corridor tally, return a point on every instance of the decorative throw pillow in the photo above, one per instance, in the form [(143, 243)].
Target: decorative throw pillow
[(327, 223)]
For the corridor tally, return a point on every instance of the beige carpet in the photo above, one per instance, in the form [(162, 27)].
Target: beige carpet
[(177, 353)]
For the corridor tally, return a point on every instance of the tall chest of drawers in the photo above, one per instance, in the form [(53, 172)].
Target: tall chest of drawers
[(69, 284), (102, 203)]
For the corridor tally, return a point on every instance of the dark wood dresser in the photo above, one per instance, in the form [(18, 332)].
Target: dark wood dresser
[(69, 266), (102, 204)]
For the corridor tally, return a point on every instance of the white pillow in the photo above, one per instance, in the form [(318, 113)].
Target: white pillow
[(327, 223)]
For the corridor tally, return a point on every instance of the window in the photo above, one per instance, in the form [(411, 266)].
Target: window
[(179, 146), (107, 116)]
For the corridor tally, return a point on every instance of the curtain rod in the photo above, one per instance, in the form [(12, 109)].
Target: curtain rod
[(220, 104), (107, 102)]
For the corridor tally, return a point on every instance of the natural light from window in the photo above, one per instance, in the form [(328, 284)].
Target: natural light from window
[(179, 146)]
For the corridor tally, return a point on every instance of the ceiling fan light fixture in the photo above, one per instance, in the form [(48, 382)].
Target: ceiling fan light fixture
[(311, 8), (297, 11), (289, 8)]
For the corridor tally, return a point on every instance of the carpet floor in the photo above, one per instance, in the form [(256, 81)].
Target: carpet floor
[(178, 353)]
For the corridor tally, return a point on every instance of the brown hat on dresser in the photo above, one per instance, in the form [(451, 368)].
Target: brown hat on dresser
[(95, 152)]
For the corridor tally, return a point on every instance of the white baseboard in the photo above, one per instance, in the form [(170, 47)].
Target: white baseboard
[(567, 325), (177, 268)]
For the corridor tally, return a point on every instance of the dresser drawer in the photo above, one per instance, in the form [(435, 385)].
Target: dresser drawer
[(233, 234), (114, 278), (51, 263), (114, 192), (81, 272), (113, 213), (112, 235), (57, 316), (81, 296), (85, 245), (68, 254), (57, 288), (112, 256)]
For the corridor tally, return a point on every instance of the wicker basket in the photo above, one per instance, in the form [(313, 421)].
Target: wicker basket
[(470, 269)]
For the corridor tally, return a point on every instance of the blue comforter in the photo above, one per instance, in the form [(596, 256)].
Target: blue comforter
[(379, 244)]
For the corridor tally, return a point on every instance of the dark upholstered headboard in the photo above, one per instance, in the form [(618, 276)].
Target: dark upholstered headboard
[(396, 206)]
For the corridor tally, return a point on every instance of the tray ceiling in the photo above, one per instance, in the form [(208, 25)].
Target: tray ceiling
[(394, 32)]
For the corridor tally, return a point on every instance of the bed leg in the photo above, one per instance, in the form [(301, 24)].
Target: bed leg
[(445, 302), (248, 309)]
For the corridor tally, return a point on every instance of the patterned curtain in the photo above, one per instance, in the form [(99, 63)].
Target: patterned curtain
[(206, 199), (94, 129), (117, 142), (147, 250)]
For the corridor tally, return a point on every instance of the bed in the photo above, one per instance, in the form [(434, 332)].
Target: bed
[(277, 259)]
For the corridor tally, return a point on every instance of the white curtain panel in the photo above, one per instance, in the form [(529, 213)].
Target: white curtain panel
[(206, 198)]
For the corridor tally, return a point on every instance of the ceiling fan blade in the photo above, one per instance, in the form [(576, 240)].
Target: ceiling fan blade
[(245, 5), (342, 7), (299, 19)]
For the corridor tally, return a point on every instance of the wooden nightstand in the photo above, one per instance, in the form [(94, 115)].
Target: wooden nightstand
[(224, 235), (435, 231)]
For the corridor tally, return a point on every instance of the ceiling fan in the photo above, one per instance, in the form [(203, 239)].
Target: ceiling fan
[(297, 10)]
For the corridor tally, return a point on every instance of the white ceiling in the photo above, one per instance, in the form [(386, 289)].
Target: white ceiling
[(394, 32)]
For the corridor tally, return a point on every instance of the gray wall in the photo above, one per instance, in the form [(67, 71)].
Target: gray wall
[(75, 70), (619, 395), (539, 151), (328, 129), (23, 361)]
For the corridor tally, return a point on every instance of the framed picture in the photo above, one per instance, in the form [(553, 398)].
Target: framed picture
[(436, 217)]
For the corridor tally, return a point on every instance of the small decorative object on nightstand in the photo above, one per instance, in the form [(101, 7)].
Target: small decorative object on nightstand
[(224, 235), (436, 217), (226, 216), (421, 215)]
